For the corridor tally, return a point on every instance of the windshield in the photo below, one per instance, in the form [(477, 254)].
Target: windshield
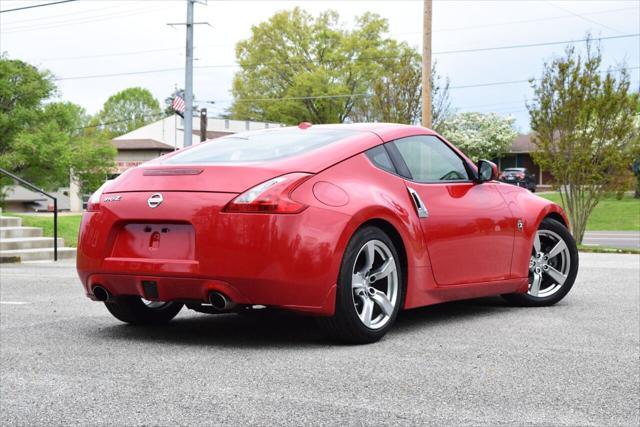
[(259, 146)]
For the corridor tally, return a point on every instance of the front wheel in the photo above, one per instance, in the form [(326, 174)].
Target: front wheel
[(135, 310), (370, 289), (553, 266)]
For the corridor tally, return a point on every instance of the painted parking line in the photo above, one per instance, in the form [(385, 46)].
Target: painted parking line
[(14, 302)]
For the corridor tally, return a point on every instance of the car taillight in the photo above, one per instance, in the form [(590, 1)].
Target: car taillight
[(520, 176), (272, 196), (93, 205)]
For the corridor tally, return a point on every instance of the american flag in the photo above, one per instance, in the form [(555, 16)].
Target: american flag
[(178, 104)]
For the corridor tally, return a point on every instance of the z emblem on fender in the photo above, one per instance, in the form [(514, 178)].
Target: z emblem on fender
[(520, 225)]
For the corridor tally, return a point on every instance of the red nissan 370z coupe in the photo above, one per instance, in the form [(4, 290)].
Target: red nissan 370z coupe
[(350, 223)]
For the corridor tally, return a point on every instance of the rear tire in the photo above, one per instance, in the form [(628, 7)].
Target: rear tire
[(552, 269), (370, 289), (131, 309)]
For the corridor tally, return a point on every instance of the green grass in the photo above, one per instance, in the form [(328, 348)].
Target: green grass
[(611, 214), (68, 225)]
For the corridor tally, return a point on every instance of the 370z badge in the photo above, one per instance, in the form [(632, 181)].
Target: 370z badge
[(112, 199)]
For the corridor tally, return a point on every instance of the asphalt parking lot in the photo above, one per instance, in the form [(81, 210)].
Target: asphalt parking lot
[(65, 360)]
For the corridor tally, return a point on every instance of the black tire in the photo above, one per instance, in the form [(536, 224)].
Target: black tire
[(345, 325), (131, 309), (528, 300)]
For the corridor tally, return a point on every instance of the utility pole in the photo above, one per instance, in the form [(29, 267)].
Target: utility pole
[(426, 64), (188, 78), (188, 71)]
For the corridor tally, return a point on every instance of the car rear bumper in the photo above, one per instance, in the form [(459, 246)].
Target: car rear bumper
[(288, 261)]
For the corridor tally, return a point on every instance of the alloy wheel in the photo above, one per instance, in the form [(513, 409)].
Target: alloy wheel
[(374, 283), (549, 265)]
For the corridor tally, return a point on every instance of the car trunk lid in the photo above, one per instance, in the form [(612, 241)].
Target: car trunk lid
[(216, 179)]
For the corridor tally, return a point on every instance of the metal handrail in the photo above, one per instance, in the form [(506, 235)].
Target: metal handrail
[(55, 207)]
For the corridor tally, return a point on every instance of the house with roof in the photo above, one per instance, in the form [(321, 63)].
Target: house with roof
[(167, 135)]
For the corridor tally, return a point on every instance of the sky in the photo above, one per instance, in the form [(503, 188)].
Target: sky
[(98, 47)]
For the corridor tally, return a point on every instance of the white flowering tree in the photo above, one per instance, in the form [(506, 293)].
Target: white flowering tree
[(480, 136)]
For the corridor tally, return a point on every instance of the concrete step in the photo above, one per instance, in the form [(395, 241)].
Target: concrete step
[(29, 243), (38, 254), (9, 232), (10, 221)]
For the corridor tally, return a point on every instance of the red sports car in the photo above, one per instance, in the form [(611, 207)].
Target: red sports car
[(350, 223)]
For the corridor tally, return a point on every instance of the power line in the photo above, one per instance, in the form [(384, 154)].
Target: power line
[(584, 18), (85, 20), (97, 125), (290, 98), (137, 52), (36, 5), (518, 46), (525, 21), (163, 70)]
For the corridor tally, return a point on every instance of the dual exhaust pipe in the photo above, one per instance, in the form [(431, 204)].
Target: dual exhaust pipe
[(101, 293), (218, 300)]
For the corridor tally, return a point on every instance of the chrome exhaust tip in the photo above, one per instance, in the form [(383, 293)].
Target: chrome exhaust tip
[(220, 302), (101, 293)]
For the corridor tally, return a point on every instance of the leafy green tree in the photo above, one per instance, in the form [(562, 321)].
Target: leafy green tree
[(127, 110), (585, 129), (299, 68), (396, 94), (42, 140), (47, 153), (478, 135), (22, 90), (93, 160), (316, 69)]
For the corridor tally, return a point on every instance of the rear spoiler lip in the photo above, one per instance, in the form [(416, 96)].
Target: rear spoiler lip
[(171, 172)]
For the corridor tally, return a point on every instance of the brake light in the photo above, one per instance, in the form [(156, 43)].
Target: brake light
[(520, 175), (272, 196), (93, 205)]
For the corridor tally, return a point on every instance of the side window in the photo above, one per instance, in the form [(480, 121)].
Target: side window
[(378, 155), (431, 160)]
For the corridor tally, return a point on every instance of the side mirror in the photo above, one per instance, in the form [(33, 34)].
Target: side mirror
[(487, 171)]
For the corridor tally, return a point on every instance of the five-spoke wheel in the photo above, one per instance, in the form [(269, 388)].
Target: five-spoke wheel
[(374, 282), (552, 267), (370, 288), (549, 265)]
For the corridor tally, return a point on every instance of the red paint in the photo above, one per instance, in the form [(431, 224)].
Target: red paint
[(468, 246)]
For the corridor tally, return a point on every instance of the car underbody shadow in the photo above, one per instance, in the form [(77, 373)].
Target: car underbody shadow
[(274, 328)]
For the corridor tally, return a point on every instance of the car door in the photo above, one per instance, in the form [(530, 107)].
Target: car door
[(468, 227)]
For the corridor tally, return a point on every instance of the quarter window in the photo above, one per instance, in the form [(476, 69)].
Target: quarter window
[(378, 155), (430, 160)]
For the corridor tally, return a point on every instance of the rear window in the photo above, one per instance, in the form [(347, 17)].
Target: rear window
[(259, 146)]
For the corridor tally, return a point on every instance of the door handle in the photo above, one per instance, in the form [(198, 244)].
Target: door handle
[(417, 202)]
